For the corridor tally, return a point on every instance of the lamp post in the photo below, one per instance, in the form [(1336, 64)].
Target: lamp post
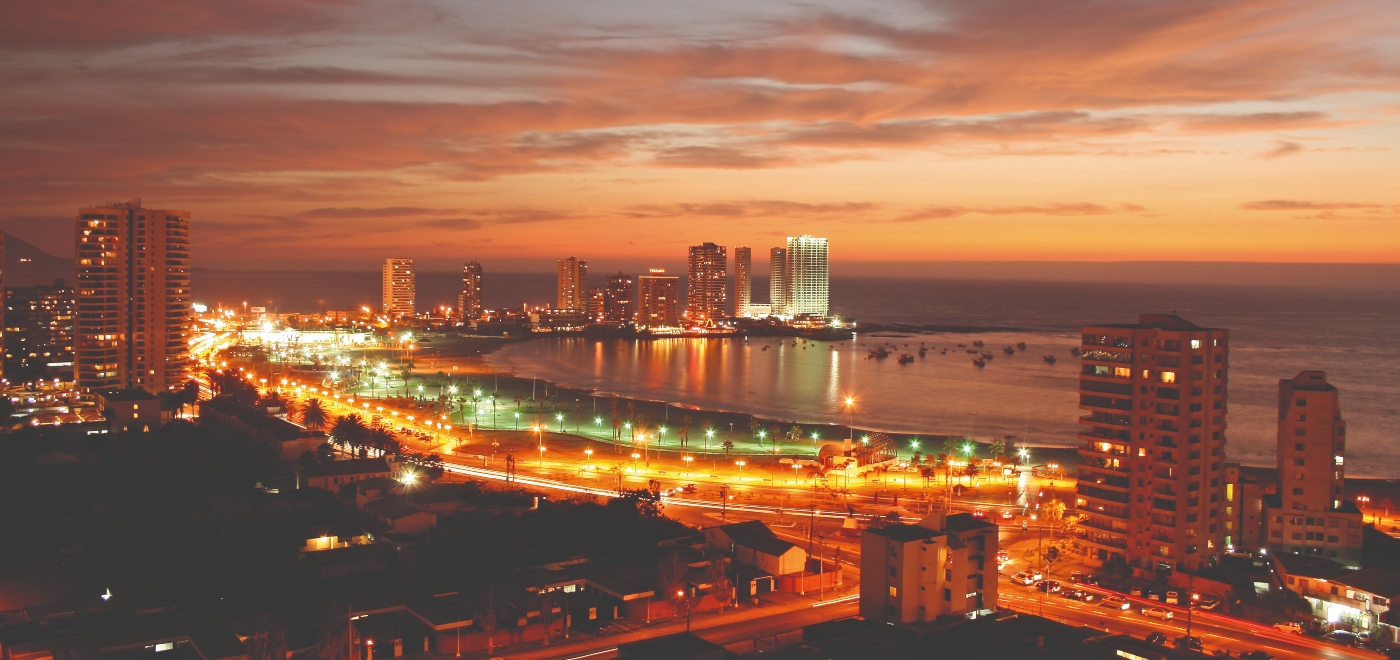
[(741, 465), (709, 435), (541, 457), (850, 417), (1361, 502), (687, 460), (635, 456), (1190, 605), (588, 453)]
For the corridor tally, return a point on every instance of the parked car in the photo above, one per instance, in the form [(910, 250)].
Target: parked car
[(1193, 642), (1290, 627), (1136, 591), (1255, 655), (1002, 557), (979, 514), (1343, 637), (1158, 638), (1048, 586), (1117, 603), (1157, 612), (1079, 594), (1091, 579), (1208, 603), (1076, 576), (1008, 515), (1153, 594), (1023, 578), (1173, 598)]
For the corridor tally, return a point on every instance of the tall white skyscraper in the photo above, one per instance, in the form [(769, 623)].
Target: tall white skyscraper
[(809, 278), (743, 280), (400, 287), (777, 281), (573, 284)]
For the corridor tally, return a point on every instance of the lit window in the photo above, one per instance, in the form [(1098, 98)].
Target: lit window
[(1168, 376), (894, 592), (1195, 343)]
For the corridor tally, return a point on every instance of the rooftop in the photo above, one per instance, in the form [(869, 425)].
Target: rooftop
[(1378, 581), (756, 535), (904, 533), (348, 466), (132, 394), (679, 645), (392, 508), (965, 522)]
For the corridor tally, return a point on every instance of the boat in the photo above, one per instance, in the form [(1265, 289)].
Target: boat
[(1050, 359), (1074, 350), (906, 358), (987, 356), (962, 345), (923, 350), (1009, 350), (1021, 345), (979, 363), (972, 351), (977, 343), (945, 352), (878, 352)]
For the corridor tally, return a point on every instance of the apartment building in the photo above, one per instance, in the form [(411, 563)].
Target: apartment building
[(944, 565)]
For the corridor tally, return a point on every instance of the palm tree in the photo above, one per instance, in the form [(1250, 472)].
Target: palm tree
[(927, 473), (916, 458), (754, 426), (685, 430), (728, 445), (1054, 511), (349, 431), (998, 448), (970, 471), (382, 439), (795, 433), (314, 415)]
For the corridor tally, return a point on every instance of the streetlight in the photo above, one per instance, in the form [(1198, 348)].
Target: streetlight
[(635, 456), (850, 416), (795, 467), (741, 465), (662, 440), (589, 454), (541, 457), (1190, 605), (709, 435), (599, 422), (687, 460)]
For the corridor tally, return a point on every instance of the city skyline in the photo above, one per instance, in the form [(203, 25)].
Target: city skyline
[(1260, 127)]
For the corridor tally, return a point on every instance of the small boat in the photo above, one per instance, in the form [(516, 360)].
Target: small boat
[(923, 350), (878, 352), (1074, 350), (1021, 345), (765, 348), (987, 356), (972, 351), (977, 343), (945, 352), (1050, 359), (906, 358), (1009, 350), (962, 345), (979, 363)]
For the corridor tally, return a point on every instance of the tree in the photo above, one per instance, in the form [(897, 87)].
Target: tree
[(1054, 511), (998, 448), (728, 445), (349, 431), (333, 633), (669, 572), (927, 472), (916, 458), (754, 426), (950, 446), (970, 471), (267, 640), (794, 433), (718, 575), (685, 430), (382, 439), (307, 460), (314, 415)]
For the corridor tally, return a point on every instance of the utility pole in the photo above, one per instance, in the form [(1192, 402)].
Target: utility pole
[(811, 526), (723, 503)]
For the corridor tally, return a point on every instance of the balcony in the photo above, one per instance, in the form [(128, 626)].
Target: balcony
[(1107, 541), (1107, 527), (1163, 538), (1099, 355), (1110, 419)]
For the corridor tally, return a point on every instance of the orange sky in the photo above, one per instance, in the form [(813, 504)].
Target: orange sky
[(337, 133)]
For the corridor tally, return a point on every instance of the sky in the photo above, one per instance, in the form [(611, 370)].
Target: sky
[(332, 134)]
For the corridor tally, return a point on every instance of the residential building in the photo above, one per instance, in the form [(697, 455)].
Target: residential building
[(469, 301), (4, 347), (619, 299), (38, 333), (658, 299), (288, 440), (132, 409), (707, 283), (132, 297), (400, 288), (573, 284), (400, 516), (808, 277), (944, 565), (743, 280), (1342, 596), (597, 304), (778, 288), (1151, 471), (1310, 514)]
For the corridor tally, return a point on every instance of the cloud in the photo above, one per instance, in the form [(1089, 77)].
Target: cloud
[(731, 158), (750, 208), (1300, 205), (357, 212), (1284, 148), (1052, 209)]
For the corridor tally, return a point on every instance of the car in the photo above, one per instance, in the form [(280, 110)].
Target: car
[(1157, 612), (1343, 637), (1290, 627), (1153, 594), (1116, 602), (1048, 586), (688, 489), (1023, 578), (1091, 579), (1173, 598), (1002, 557), (1255, 655), (1076, 576), (1079, 594), (1158, 638), (978, 513), (1008, 515), (1209, 603), (1135, 591), (1193, 642)]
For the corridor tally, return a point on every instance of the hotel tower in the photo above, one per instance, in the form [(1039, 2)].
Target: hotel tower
[(400, 288)]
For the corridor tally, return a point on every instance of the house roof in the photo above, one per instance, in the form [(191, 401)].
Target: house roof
[(1317, 568), (131, 394), (904, 533), (281, 429), (1378, 581), (965, 522), (756, 535), (393, 508), (377, 483), (348, 466), (679, 645)]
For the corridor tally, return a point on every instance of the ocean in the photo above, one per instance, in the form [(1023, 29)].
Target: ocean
[(1276, 332)]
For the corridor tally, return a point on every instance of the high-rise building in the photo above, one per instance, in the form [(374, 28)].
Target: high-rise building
[(743, 280), (39, 333), (400, 288), (809, 278), (132, 297), (597, 303), (707, 283), (1310, 513), (1150, 472), (658, 299), (469, 301), (573, 284), (944, 565), (777, 281), (3, 348), (619, 299)]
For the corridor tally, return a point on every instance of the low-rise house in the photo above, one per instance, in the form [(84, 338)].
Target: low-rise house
[(400, 516), (290, 439), (1345, 598), (752, 543), (331, 475), (132, 409), (944, 565)]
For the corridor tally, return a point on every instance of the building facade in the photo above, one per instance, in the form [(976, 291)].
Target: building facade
[(707, 283), (619, 299), (469, 301), (743, 280), (777, 281), (809, 277), (1151, 472), (1310, 514), (400, 288), (573, 284), (944, 565), (132, 297), (597, 304), (658, 299), (38, 326)]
